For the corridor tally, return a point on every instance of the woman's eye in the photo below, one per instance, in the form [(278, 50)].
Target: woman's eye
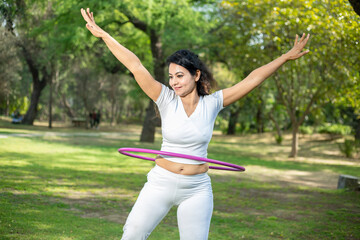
[(180, 76)]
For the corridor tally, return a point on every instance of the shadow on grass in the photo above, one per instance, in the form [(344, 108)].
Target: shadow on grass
[(35, 216), (35, 177)]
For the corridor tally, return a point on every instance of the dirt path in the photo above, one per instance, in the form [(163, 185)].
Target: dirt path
[(313, 149), (318, 179)]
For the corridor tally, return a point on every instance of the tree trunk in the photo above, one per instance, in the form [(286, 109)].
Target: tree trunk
[(50, 103), (69, 112), (356, 126), (116, 114), (277, 126), (38, 85), (31, 113), (51, 85), (149, 126), (84, 97), (151, 118), (295, 141), (234, 113), (112, 113), (119, 114), (7, 113), (260, 118)]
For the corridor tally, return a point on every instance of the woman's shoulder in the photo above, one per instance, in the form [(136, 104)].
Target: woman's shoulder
[(166, 96), (215, 95), (215, 99)]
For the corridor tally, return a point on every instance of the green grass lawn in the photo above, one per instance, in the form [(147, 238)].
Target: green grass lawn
[(63, 186)]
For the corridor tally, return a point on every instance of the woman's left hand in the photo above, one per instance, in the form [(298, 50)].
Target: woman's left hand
[(296, 52)]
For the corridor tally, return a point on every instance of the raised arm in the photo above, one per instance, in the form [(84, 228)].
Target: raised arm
[(148, 84), (256, 77)]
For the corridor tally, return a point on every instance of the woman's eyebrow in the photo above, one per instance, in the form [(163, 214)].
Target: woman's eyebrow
[(177, 73)]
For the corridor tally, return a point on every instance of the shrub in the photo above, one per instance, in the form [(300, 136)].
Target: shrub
[(221, 124), (348, 148), (335, 129), (278, 139), (306, 130)]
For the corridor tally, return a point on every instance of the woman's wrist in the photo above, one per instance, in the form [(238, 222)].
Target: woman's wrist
[(285, 57), (106, 36)]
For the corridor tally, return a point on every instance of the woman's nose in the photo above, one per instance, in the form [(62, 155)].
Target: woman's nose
[(175, 81)]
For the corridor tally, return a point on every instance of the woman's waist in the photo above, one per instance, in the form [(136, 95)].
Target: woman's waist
[(181, 168)]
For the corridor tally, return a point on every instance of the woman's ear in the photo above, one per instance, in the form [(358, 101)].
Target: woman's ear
[(197, 75)]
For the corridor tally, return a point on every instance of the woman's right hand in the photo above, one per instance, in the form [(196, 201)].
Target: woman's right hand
[(91, 25)]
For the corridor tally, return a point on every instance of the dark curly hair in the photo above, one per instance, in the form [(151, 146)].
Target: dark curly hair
[(191, 62)]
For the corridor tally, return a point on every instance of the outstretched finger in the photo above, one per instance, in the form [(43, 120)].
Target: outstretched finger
[(302, 38), (296, 40), (303, 53), (82, 13), (89, 14), (305, 40), (85, 16)]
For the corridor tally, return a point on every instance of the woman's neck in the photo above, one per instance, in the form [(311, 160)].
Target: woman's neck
[(191, 99)]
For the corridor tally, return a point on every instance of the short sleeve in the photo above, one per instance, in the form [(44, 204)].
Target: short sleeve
[(218, 100), (165, 97)]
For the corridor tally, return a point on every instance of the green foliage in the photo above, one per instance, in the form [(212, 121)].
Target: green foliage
[(349, 148), (278, 139), (222, 124), (273, 26), (334, 129), (22, 104), (263, 30), (12, 87), (306, 129)]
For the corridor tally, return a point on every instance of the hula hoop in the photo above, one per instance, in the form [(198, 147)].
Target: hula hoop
[(229, 166)]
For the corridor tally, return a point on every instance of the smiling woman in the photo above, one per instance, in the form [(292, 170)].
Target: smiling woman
[(188, 112), (188, 62)]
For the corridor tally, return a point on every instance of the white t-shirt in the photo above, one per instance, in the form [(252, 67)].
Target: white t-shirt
[(183, 134)]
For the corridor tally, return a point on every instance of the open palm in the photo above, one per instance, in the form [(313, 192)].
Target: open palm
[(297, 50), (90, 23)]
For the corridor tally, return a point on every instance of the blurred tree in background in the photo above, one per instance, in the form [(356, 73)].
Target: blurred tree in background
[(262, 30)]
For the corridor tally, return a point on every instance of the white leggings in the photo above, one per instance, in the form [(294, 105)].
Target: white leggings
[(164, 189)]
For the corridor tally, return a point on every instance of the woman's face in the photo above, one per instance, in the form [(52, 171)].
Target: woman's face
[(181, 80)]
